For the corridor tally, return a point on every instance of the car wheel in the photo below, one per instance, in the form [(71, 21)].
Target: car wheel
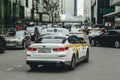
[(33, 67), (73, 63), (2, 49), (87, 56), (93, 43), (117, 44)]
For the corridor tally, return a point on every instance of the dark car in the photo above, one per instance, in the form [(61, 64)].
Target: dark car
[(2, 44), (109, 38)]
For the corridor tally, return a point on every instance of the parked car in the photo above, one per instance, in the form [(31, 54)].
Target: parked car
[(18, 39), (111, 37), (52, 50), (2, 44)]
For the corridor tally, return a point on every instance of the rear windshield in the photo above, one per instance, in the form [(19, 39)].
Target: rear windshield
[(76, 30), (49, 39), (52, 41), (55, 31), (30, 29), (19, 34), (15, 34)]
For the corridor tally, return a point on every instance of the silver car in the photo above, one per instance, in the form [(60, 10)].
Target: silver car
[(18, 39)]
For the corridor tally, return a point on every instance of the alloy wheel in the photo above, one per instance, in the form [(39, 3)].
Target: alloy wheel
[(117, 44)]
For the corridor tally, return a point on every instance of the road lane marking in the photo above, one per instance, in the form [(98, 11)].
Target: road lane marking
[(9, 69), (19, 66)]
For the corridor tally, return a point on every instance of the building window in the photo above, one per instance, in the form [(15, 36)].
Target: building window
[(26, 3)]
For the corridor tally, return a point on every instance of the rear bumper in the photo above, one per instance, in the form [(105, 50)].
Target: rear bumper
[(48, 62), (14, 47)]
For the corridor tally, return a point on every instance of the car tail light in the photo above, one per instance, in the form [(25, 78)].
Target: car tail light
[(31, 49), (81, 33), (61, 49)]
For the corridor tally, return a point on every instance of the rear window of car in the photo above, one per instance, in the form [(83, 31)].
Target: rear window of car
[(19, 34), (55, 31), (30, 29), (50, 39), (75, 30)]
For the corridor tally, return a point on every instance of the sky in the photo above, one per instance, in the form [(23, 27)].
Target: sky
[(80, 9)]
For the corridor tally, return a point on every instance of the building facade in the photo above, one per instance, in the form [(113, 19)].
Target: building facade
[(87, 10), (13, 10), (115, 14), (100, 8), (51, 11), (69, 6), (115, 2), (40, 10)]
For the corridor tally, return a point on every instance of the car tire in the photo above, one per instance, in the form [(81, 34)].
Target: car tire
[(2, 49), (73, 63), (87, 56), (116, 44), (33, 67)]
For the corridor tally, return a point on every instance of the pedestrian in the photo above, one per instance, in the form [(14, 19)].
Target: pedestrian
[(18, 28)]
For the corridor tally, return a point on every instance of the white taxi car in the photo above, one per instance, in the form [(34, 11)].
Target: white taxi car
[(55, 31), (94, 32), (76, 31), (62, 50)]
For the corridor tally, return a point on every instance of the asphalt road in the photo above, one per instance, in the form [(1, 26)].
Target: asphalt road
[(104, 64)]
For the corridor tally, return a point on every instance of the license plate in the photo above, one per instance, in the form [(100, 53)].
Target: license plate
[(44, 50), (10, 44)]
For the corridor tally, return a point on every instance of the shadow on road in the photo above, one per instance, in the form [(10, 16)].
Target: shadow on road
[(56, 69), (50, 69)]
